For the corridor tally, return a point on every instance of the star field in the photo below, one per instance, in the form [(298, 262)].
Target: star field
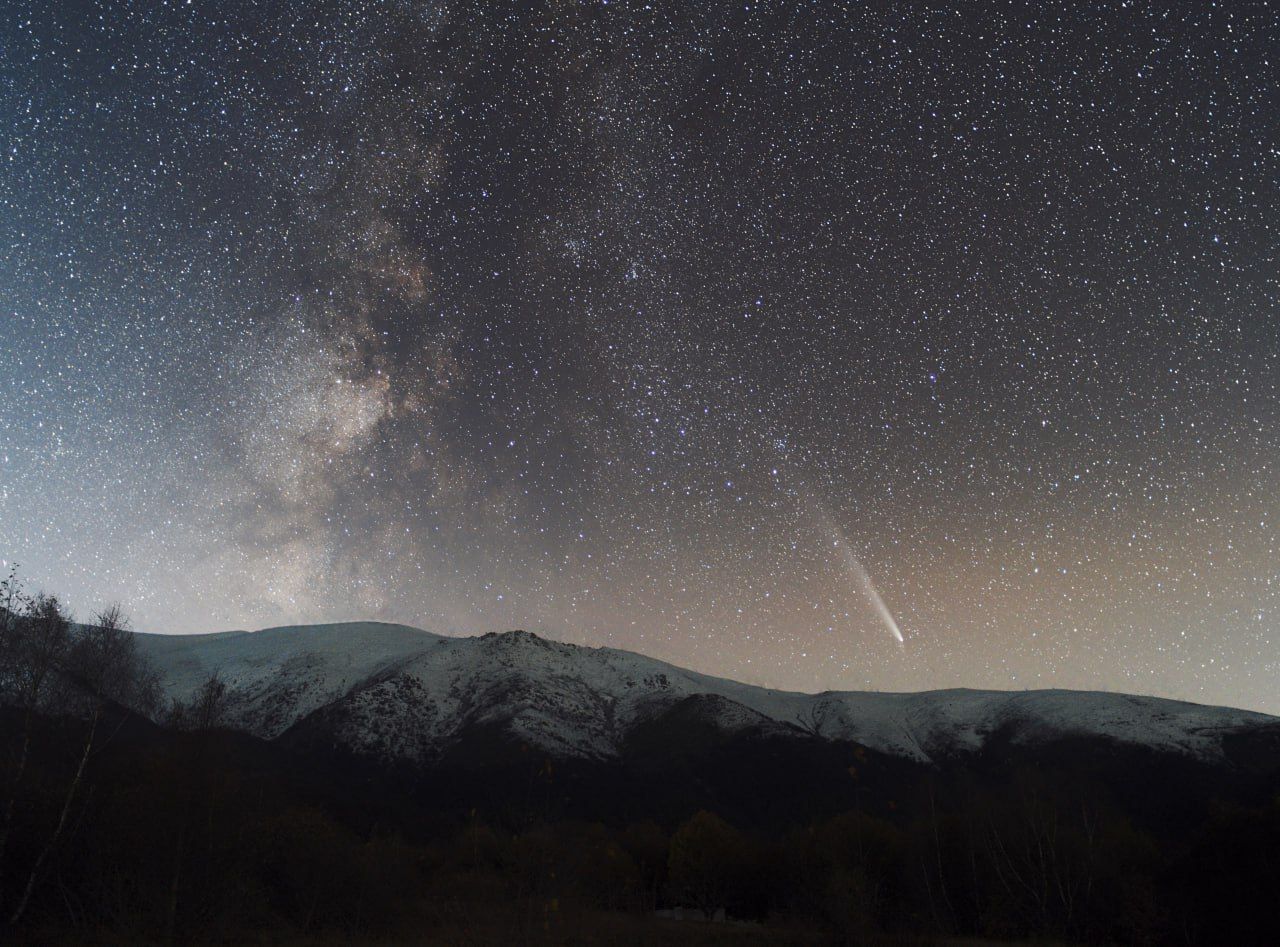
[(688, 329)]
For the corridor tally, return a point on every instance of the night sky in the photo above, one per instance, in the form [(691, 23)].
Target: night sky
[(741, 335)]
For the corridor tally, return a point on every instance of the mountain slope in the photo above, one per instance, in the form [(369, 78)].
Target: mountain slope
[(399, 693)]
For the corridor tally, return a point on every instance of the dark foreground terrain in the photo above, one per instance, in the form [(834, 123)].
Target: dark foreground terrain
[(206, 835)]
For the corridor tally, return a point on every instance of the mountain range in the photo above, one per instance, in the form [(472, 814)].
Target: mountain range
[(395, 694)]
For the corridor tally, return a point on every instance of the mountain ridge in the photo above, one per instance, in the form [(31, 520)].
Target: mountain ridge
[(398, 693)]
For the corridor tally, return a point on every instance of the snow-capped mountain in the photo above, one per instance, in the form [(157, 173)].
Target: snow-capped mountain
[(399, 693)]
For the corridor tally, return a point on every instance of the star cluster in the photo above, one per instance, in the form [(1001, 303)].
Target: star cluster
[(695, 329)]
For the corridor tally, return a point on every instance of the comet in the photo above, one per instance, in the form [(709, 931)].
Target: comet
[(810, 506), (864, 579), (860, 575)]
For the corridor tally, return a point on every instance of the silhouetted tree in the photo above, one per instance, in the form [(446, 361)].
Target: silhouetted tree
[(100, 669), (704, 861), (14, 606), (205, 710), (38, 639)]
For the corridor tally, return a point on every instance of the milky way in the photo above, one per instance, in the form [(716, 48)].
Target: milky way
[(600, 319)]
